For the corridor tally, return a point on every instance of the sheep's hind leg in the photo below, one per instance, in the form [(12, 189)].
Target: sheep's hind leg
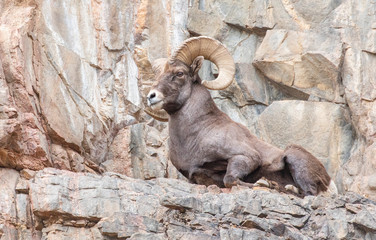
[(238, 167)]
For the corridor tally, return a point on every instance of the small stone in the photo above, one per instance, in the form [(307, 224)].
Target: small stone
[(262, 183), (278, 229), (181, 203), (22, 186), (366, 220), (338, 229), (353, 208), (80, 223), (27, 174), (214, 189), (372, 182)]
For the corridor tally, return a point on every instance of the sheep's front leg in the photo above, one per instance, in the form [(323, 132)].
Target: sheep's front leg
[(238, 167)]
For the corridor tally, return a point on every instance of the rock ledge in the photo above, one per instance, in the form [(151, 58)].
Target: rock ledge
[(112, 206)]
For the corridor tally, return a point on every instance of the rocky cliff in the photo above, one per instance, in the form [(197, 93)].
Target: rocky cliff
[(59, 204), (73, 77)]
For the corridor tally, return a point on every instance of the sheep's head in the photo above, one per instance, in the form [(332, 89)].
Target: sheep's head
[(176, 75), (173, 85)]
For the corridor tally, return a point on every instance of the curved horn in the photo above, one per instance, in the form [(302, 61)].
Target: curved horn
[(160, 115), (212, 50)]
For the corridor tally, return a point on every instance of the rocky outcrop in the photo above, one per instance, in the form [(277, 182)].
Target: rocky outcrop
[(112, 206), (71, 85), (296, 60), (73, 77), (73, 81)]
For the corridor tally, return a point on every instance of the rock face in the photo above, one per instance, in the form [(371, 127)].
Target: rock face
[(73, 80), (112, 206), (305, 61)]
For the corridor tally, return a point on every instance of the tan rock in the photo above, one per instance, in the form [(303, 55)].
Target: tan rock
[(27, 174), (205, 18), (24, 145), (296, 60), (4, 91), (61, 232), (58, 102), (372, 182), (60, 157), (310, 12), (359, 171), (152, 23), (22, 186), (119, 158), (76, 161), (259, 16)]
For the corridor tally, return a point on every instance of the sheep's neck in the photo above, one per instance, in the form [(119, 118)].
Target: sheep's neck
[(198, 109)]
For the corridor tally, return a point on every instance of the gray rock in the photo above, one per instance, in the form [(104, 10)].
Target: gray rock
[(121, 207), (60, 232), (182, 203), (8, 179), (365, 220), (83, 76), (148, 159), (125, 225)]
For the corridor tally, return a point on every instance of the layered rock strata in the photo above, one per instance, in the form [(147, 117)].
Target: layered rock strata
[(57, 204)]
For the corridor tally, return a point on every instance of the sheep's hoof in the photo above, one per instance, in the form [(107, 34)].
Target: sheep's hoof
[(292, 188), (230, 181), (262, 183)]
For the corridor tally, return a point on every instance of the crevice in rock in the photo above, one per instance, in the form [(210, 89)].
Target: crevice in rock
[(259, 31), (70, 89), (290, 91), (289, 7)]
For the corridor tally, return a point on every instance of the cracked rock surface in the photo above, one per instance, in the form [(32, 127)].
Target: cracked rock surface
[(73, 81), (112, 206)]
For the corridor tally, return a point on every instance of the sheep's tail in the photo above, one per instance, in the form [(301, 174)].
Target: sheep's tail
[(332, 190)]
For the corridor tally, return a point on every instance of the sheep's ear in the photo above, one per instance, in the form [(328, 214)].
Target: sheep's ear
[(159, 65), (196, 65)]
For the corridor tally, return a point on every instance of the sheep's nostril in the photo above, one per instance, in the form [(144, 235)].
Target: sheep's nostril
[(152, 95)]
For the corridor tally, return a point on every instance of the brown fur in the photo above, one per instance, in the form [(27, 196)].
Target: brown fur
[(307, 171), (209, 148)]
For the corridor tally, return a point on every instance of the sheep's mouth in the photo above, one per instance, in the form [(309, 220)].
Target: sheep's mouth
[(157, 105)]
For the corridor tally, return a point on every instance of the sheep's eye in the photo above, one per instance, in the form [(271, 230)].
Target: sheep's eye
[(180, 74)]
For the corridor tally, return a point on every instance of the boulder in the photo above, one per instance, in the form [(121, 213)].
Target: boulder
[(306, 61)]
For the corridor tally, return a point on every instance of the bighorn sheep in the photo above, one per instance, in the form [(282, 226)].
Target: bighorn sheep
[(208, 147)]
